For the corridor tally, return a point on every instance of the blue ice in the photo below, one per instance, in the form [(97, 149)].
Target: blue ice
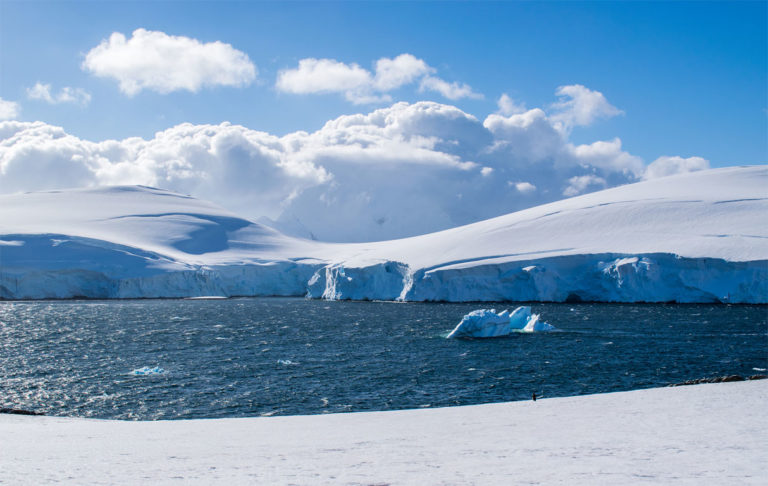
[(148, 371), (486, 323)]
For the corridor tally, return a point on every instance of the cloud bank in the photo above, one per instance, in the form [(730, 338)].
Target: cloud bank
[(360, 86), (164, 63), (398, 171)]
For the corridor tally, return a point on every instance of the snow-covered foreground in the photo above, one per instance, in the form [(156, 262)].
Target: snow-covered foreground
[(697, 435), (698, 237)]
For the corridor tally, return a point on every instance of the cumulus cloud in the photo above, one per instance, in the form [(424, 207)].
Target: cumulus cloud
[(360, 86), (666, 166), (164, 63), (508, 106), (579, 184), (8, 109), (43, 92), (394, 73), (523, 187), (398, 171), (328, 76), (580, 106), (608, 155), (452, 91), (239, 168)]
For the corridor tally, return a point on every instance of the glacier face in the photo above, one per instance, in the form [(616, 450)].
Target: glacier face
[(599, 278), (698, 237)]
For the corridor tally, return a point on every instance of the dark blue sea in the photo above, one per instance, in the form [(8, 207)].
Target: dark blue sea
[(174, 359)]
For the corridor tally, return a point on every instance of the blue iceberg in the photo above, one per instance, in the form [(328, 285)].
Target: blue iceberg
[(486, 323)]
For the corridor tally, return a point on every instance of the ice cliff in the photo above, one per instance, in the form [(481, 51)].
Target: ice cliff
[(698, 237)]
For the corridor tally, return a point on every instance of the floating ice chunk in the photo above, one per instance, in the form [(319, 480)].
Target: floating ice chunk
[(519, 318), (286, 362), (486, 323), (148, 371), (535, 325), (482, 323)]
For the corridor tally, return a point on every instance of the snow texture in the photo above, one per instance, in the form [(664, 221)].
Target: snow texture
[(698, 435), (486, 323), (695, 237)]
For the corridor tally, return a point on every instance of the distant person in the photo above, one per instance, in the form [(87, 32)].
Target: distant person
[(533, 395)]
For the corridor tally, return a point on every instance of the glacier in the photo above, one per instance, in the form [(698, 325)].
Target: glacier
[(486, 323), (696, 237)]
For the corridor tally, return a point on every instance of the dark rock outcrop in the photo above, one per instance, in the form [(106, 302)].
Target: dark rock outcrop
[(717, 379), (18, 411)]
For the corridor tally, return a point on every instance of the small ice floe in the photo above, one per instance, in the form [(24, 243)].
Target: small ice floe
[(486, 323), (148, 371), (286, 362)]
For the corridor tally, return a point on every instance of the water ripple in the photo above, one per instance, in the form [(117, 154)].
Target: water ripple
[(251, 357)]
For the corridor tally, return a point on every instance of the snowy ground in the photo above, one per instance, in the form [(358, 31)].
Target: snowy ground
[(698, 435), (698, 237)]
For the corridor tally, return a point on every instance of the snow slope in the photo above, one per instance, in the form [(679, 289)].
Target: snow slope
[(697, 237), (694, 435)]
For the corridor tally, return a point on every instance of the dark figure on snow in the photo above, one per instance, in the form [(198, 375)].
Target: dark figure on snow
[(534, 396)]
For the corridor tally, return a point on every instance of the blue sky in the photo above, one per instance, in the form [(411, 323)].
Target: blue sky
[(359, 121), (690, 77)]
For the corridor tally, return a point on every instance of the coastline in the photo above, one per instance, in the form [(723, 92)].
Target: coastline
[(701, 434)]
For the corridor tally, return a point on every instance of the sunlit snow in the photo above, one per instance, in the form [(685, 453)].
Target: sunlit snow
[(696, 237)]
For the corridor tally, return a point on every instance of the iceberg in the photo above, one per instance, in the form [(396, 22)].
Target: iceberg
[(535, 325), (146, 370), (486, 323)]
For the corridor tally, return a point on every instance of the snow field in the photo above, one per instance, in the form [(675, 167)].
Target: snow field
[(696, 237), (694, 435)]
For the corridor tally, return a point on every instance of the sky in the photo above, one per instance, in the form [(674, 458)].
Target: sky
[(361, 120)]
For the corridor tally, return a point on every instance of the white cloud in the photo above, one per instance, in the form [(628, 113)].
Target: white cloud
[(579, 184), (608, 155), (580, 106), (452, 91), (360, 86), (508, 106), (9, 109), (239, 168), (666, 166), (394, 73), (164, 63), (42, 92), (523, 187), (527, 136), (323, 76), (397, 171)]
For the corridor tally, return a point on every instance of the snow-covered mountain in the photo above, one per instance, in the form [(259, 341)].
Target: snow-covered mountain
[(697, 237)]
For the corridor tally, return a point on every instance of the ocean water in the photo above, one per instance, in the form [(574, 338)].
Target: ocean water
[(174, 359)]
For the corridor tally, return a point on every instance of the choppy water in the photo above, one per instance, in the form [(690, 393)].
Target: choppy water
[(168, 359)]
